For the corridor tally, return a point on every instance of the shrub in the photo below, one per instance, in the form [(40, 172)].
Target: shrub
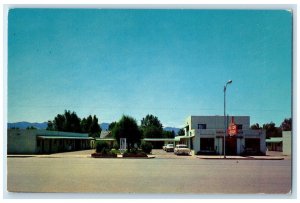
[(115, 151), (146, 147), (116, 146), (137, 154), (102, 147)]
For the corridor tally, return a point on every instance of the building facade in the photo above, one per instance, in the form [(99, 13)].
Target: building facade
[(45, 142), (287, 143), (205, 135)]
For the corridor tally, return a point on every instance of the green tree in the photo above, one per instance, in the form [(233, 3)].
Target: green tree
[(127, 128), (86, 124), (152, 132), (181, 132), (31, 128), (168, 134), (67, 122), (59, 122), (255, 126), (151, 127), (95, 129), (151, 120), (112, 125), (272, 130), (50, 125), (286, 125)]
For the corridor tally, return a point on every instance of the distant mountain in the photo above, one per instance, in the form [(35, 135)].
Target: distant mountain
[(24, 125), (172, 128)]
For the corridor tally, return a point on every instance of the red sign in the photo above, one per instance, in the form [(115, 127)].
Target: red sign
[(232, 128)]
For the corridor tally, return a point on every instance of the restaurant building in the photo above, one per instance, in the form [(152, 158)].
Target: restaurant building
[(205, 135)]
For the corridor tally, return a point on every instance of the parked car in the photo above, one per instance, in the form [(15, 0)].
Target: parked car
[(170, 148), (182, 149), (164, 147)]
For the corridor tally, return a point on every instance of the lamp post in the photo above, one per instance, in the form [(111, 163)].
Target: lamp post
[(224, 141)]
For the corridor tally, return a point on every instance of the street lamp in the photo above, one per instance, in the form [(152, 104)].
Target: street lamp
[(229, 82)]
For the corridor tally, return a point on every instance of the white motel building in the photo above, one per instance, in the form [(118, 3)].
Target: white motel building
[(205, 135)]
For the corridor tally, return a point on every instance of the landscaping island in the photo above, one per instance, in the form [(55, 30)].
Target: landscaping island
[(103, 150)]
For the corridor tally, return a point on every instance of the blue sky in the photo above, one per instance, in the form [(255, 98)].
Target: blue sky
[(169, 63)]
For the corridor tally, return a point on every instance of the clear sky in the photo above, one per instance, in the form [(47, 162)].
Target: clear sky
[(169, 63)]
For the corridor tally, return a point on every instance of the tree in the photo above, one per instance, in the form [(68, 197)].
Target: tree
[(67, 122), (286, 125), (127, 128), (50, 125), (86, 124), (255, 126), (59, 122), (271, 130), (181, 132), (152, 132), (168, 134), (151, 127), (151, 120), (31, 128), (95, 129), (111, 126)]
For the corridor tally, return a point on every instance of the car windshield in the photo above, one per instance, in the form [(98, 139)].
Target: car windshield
[(170, 145), (182, 146)]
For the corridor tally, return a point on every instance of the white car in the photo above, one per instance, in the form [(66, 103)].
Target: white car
[(182, 149), (164, 147), (170, 148)]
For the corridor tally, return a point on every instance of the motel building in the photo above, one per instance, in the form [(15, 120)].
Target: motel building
[(205, 135), (23, 141)]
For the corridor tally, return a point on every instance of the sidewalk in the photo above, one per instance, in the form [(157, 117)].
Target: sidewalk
[(270, 155), (240, 157)]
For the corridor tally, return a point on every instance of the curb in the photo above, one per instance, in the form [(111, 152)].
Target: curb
[(241, 158)]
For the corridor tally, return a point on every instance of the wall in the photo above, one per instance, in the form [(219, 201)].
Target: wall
[(286, 143), (21, 141), (217, 122)]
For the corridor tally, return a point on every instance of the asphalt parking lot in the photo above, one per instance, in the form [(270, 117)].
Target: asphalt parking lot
[(77, 172)]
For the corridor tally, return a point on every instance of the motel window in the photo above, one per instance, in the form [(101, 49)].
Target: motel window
[(239, 126), (201, 126)]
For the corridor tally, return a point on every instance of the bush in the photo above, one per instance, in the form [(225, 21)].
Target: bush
[(115, 151), (146, 147), (102, 147), (116, 146), (136, 154)]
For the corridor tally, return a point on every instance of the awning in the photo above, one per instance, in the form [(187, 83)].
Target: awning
[(70, 138), (159, 139), (274, 140), (105, 139), (178, 138)]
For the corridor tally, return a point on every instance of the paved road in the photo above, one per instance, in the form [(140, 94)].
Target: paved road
[(180, 176)]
